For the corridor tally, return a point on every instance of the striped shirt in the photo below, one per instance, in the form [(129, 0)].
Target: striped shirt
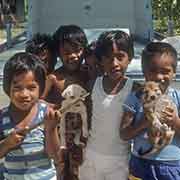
[(28, 160)]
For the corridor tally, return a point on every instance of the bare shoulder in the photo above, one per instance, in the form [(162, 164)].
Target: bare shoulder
[(59, 73), (51, 78)]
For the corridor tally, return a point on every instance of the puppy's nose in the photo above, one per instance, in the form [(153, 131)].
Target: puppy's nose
[(153, 97)]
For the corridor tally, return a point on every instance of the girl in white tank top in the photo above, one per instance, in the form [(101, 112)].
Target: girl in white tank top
[(106, 154)]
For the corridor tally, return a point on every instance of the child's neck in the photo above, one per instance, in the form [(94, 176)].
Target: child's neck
[(113, 86), (20, 115)]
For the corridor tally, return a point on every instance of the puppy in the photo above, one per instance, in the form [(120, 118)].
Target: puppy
[(154, 101), (74, 119)]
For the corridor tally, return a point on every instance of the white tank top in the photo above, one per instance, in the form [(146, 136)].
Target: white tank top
[(106, 115)]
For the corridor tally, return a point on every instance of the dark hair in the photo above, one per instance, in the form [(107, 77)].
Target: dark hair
[(154, 48), (38, 43), (90, 49), (69, 33), (20, 63), (122, 40)]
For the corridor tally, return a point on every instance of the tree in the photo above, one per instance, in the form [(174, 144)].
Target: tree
[(167, 12)]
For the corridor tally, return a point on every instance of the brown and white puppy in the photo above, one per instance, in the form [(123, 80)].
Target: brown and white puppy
[(154, 99), (74, 120)]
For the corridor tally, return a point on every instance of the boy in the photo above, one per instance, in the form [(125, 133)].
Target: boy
[(106, 155), (22, 141), (159, 62), (42, 45), (91, 63), (70, 42)]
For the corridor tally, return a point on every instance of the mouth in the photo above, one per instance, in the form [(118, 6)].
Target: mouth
[(25, 103), (73, 63), (116, 71)]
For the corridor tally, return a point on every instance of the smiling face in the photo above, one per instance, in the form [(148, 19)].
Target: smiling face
[(160, 69), (24, 91), (115, 63), (46, 57), (71, 56)]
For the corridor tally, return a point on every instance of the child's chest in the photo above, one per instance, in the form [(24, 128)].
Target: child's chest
[(66, 80)]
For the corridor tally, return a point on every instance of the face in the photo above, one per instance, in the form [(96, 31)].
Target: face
[(91, 66), (151, 92), (115, 64), (24, 91), (160, 69), (46, 57), (71, 56)]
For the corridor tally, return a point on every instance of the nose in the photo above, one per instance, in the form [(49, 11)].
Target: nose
[(115, 62), (24, 93), (153, 97), (73, 56)]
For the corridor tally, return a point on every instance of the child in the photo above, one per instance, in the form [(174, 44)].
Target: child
[(106, 155), (42, 45), (70, 42), (159, 62), (21, 146), (91, 63)]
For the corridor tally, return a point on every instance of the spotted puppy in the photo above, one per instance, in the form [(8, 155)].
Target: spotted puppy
[(154, 101)]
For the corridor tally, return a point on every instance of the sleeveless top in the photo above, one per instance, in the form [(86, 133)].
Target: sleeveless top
[(106, 115), (28, 160)]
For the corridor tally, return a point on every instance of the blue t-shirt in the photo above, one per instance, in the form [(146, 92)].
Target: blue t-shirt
[(28, 160), (140, 142)]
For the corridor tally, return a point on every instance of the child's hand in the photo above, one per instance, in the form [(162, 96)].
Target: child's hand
[(146, 123), (76, 156), (16, 137), (52, 119), (169, 116)]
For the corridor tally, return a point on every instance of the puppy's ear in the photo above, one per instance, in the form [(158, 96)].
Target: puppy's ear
[(137, 86)]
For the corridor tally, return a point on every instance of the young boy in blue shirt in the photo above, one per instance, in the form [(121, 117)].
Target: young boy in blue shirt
[(159, 62)]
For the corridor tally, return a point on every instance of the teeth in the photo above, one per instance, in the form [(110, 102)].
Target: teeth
[(162, 80)]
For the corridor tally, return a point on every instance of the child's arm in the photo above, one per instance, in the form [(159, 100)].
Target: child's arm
[(11, 141), (128, 127), (52, 141), (128, 130), (49, 83), (171, 118)]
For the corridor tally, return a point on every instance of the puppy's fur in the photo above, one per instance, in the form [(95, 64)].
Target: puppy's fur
[(151, 99), (74, 125)]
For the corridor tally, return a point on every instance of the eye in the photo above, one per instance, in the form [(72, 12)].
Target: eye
[(32, 86), (17, 88), (145, 92)]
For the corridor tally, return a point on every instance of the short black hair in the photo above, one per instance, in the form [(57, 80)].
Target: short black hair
[(90, 49), (122, 40), (20, 63), (154, 48), (72, 34), (38, 43)]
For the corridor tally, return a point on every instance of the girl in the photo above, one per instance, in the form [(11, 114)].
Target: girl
[(106, 155), (21, 139)]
